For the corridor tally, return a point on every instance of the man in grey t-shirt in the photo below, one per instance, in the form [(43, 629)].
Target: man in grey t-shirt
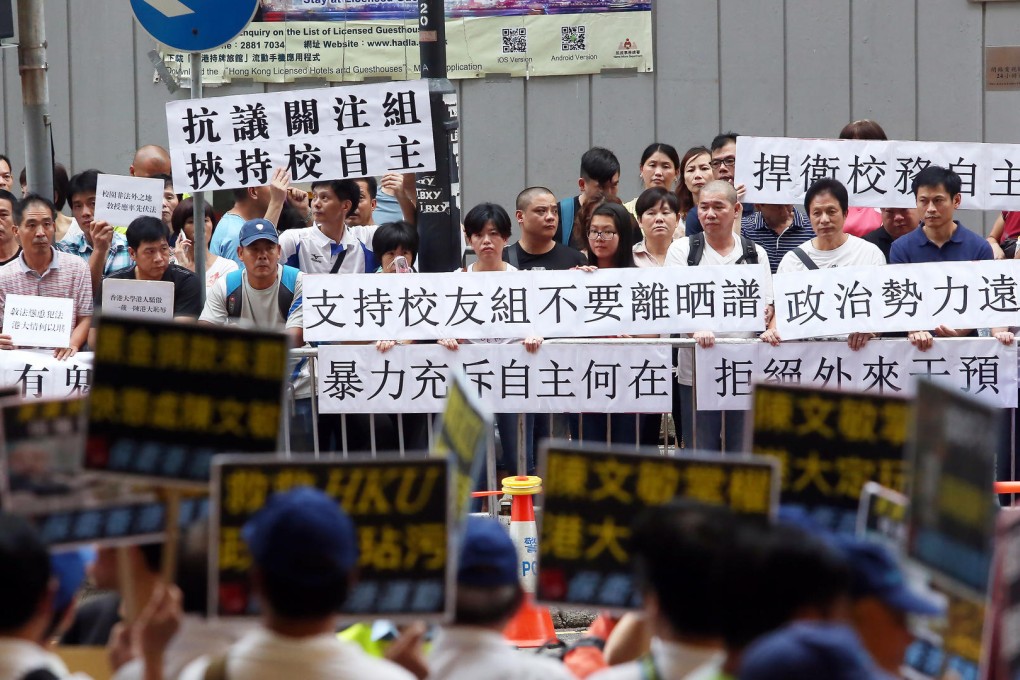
[(265, 294)]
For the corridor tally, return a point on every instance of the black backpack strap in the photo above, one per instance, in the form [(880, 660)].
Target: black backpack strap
[(339, 261), (512, 256), (697, 242), (750, 255), (805, 258)]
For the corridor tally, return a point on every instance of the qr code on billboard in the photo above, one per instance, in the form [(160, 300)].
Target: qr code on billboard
[(572, 39), (515, 40)]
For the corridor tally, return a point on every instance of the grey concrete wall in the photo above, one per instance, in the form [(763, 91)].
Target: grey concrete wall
[(769, 67)]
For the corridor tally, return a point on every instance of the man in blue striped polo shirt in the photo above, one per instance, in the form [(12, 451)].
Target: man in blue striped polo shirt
[(778, 229)]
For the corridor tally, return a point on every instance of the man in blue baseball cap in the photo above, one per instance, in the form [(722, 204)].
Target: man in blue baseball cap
[(809, 651), (304, 551), (881, 602), (489, 593)]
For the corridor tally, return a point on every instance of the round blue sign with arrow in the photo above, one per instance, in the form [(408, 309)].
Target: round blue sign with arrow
[(194, 25)]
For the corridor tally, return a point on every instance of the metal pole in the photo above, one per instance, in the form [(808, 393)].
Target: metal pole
[(198, 247), (438, 212), (35, 97)]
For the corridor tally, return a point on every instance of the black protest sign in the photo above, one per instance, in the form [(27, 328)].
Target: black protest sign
[(830, 444), (951, 519), (592, 496), (401, 510), (166, 397), (951, 648), (463, 432), (882, 516), (42, 478)]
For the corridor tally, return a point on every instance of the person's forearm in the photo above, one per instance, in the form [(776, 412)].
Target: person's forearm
[(273, 211), (97, 267), (80, 334), (407, 198)]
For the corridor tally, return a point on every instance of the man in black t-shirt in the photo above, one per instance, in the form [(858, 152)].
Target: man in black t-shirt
[(148, 247), (9, 246), (538, 216), (896, 222)]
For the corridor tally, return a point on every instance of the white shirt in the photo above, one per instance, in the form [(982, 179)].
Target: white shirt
[(673, 660), (20, 657), (677, 256), (855, 252), (197, 637), (259, 308), (489, 341), (313, 252), (264, 655), (221, 267), (470, 653)]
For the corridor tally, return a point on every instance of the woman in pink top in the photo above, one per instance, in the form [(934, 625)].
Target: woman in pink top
[(860, 221)]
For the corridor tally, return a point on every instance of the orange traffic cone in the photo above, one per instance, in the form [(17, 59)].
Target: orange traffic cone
[(532, 625)]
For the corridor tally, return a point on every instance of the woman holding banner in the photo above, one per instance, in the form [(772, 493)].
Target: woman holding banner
[(487, 230)]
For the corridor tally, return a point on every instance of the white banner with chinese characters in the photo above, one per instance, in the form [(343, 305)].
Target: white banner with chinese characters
[(506, 378), (37, 375), (983, 367), (325, 133), (899, 297), (551, 304), (876, 173)]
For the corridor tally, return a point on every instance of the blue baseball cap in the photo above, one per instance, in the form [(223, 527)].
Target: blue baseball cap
[(302, 534), (488, 558), (808, 651), (257, 229), (875, 573)]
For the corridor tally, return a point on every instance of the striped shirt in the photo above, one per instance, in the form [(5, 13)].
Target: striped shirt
[(753, 228), (67, 277)]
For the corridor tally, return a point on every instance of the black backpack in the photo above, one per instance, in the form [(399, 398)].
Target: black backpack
[(749, 256)]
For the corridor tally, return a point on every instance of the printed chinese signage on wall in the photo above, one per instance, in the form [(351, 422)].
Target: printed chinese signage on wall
[(326, 133), (592, 494), (402, 512), (350, 40), (876, 173), (829, 445), (167, 397)]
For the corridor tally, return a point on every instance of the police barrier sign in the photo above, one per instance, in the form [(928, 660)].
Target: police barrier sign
[(166, 397), (593, 494), (829, 445), (951, 519), (402, 511), (41, 477)]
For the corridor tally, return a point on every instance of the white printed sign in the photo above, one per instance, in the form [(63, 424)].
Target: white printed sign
[(38, 321), (506, 378), (565, 304), (982, 367), (876, 173), (120, 199), (133, 298), (325, 133), (899, 297), (38, 375)]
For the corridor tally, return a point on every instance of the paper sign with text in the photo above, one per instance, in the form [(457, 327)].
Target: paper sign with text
[(592, 494), (829, 444), (140, 299), (402, 511), (120, 198), (320, 134), (882, 516), (559, 378), (166, 397), (38, 321)]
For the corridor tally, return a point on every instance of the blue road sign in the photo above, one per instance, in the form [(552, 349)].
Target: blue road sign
[(194, 25)]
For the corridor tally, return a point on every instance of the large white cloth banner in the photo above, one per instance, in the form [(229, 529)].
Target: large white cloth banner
[(899, 297), (37, 375), (325, 133), (983, 367), (507, 378), (876, 173), (551, 304)]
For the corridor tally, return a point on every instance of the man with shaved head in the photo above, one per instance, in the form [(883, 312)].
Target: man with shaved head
[(538, 216), (717, 245), (150, 160)]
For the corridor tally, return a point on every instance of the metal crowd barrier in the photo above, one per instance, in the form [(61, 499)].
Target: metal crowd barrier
[(311, 353)]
